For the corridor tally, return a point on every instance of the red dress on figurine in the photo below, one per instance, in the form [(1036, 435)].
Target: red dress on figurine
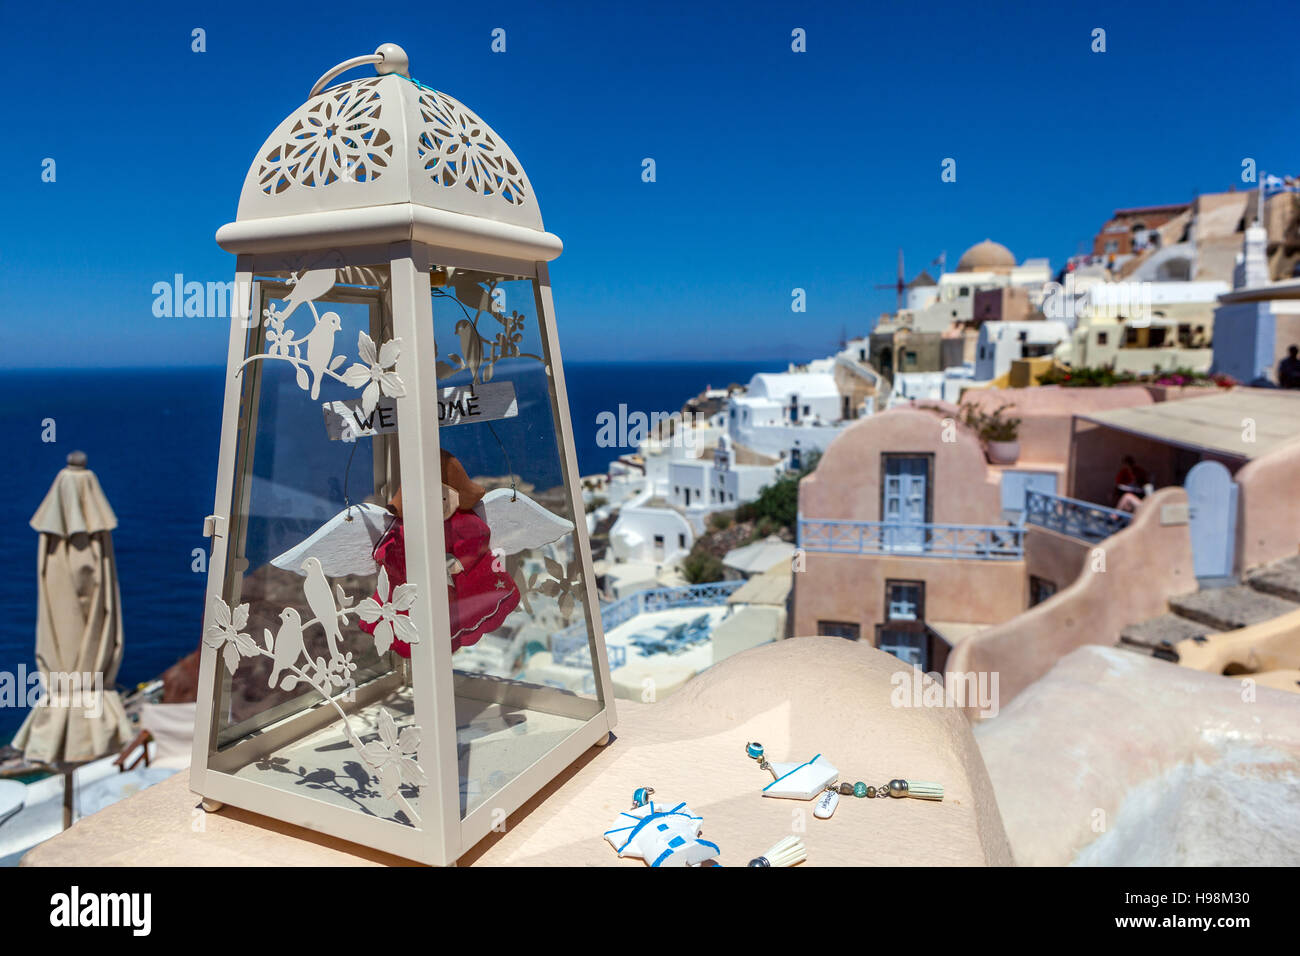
[(479, 596)]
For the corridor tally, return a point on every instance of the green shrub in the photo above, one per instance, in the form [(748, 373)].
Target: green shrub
[(779, 501), (991, 426), (1105, 376), (701, 567)]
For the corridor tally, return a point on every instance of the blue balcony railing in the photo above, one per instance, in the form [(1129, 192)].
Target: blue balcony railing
[(570, 645), (924, 540), (1069, 516)]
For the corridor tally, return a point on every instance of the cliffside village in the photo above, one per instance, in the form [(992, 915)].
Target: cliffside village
[(960, 485)]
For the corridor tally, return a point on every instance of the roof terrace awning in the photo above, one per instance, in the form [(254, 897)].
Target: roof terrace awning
[(1219, 423)]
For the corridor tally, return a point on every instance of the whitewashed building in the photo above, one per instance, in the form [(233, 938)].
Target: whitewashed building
[(794, 413), (649, 531), (722, 478), (1001, 343), (668, 489)]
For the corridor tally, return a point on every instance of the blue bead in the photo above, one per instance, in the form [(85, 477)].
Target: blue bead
[(754, 750), (859, 789)]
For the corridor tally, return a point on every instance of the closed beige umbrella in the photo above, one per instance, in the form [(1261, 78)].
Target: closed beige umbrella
[(78, 626)]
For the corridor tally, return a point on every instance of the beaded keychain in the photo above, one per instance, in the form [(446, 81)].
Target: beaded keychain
[(804, 781)]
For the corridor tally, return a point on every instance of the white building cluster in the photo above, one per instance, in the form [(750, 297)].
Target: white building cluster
[(1141, 312), (664, 493)]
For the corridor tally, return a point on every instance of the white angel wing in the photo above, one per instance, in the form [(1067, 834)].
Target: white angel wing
[(518, 523), (343, 547)]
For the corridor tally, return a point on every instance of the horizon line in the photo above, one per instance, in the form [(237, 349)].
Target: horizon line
[(222, 365)]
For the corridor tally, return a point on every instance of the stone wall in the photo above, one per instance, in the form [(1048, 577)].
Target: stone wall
[(1144, 565), (1268, 516)]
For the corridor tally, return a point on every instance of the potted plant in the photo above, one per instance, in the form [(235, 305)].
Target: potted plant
[(999, 434)]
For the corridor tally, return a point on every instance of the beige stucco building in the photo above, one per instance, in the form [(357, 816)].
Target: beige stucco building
[(910, 540)]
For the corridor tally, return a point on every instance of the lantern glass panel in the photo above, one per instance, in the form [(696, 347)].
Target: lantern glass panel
[(308, 508), (527, 682)]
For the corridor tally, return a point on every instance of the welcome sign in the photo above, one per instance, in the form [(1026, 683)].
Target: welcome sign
[(457, 405)]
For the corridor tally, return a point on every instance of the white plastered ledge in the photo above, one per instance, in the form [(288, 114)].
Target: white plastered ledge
[(383, 224), (798, 697)]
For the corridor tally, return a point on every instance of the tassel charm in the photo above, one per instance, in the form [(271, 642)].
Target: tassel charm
[(920, 789), (787, 852)]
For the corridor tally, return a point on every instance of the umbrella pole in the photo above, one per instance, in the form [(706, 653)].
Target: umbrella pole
[(68, 790)]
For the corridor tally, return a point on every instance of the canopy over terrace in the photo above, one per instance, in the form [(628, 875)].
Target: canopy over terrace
[(1168, 438)]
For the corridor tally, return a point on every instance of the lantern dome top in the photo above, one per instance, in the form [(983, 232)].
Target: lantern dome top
[(384, 158)]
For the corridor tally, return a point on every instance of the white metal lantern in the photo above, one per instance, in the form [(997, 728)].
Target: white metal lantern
[(402, 641)]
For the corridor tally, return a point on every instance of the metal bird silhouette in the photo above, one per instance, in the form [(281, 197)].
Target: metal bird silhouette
[(288, 644), (320, 348), (471, 346), (313, 284), (321, 601)]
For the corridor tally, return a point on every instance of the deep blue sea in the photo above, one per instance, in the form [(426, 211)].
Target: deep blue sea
[(151, 437)]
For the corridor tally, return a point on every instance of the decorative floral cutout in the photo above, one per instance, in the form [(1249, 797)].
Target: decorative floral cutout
[(393, 756), (378, 373), (392, 761), (564, 584), (390, 614), (458, 149), (224, 634), (336, 136)]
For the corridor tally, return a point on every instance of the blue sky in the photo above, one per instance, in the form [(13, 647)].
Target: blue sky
[(775, 169)]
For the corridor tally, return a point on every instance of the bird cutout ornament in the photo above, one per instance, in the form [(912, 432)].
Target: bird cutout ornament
[(311, 285), (660, 834), (312, 355), (320, 350), (344, 545), (287, 645), (320, 598), (390, 761)]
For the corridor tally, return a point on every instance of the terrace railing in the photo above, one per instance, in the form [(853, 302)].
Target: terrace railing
[(924, 540), (570, 645), (1069, 516), (574, 651)]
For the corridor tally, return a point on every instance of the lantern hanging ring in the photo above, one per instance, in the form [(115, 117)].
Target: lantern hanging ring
[(388, 58)]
